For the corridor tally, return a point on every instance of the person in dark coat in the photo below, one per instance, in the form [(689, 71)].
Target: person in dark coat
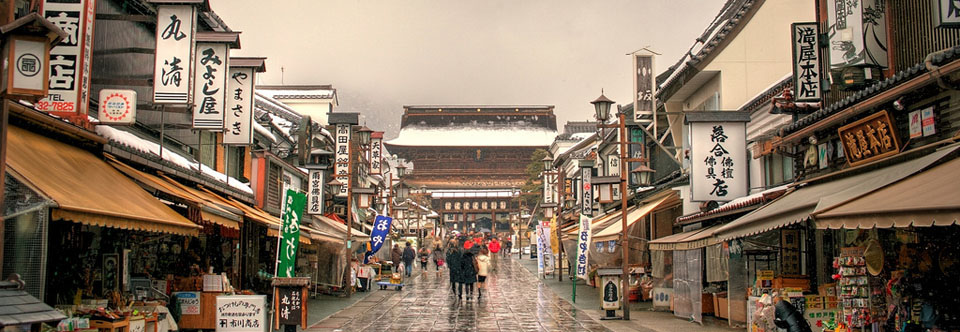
[(468, 272), (408, 256), (453, 264), (396, 254), (789, 318)]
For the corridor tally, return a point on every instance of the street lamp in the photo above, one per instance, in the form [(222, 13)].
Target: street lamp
[(602, 108), (334, 186), (547, 162), (642, 175), (364, 135)]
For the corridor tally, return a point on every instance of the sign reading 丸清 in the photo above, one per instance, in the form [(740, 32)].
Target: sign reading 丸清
[(241, 313), (583, 247), (315, 192), (70, 60), (870, 138), (376, 150), (644, 87), (381, 227), (290, 233), (718, 156), (25, 66), (858, 33), (117, 107), (947, 13), (176, 29), (289, 305), (238, 120), (806, 61), (586, 202), (342, 164), (210, 88)]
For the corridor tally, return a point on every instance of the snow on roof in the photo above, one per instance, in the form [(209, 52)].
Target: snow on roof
[(283, 125), (298, 93), (580, 136), (260, 129), (472, 194), (473, 136), (272, 105), (128, 139)]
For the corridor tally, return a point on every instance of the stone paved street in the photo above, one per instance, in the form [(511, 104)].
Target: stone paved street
[(515, 301)]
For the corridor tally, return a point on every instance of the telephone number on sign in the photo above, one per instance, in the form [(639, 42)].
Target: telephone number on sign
[(56, 106)]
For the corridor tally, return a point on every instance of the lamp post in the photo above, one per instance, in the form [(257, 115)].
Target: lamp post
[(602, 108)]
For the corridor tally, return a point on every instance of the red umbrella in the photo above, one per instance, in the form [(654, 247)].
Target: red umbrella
[(468, 244)]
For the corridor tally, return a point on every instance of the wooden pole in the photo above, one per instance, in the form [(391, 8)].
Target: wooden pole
[(624, 239), (349, 252), (3, 163)]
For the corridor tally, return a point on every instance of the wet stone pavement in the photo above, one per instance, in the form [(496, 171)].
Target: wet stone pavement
[(513, 301)]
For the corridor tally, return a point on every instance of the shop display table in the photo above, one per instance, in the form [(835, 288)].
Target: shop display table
[(106, 326)]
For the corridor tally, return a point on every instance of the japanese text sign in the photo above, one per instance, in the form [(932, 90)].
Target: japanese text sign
[(718, 156), (870, 138), (947, 13), (806, 61), (586, 203), (381, 227), (858, 33), (241, 313), (644, 101), (210, 90), (238, 120), (290, 305), (549, 187), (25, 66), (376, 155), (176, 27), (69, 76), (583, 247), (315, 192), (290, 233), (342, 164), (117, 106)]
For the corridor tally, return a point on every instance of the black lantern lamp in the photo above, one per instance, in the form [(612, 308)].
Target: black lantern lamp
[(547, 162), (602, 106), (642, 175), (334, 186), (364, 134)]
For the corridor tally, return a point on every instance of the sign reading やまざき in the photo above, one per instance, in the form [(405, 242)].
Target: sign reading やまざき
[(868, 139)]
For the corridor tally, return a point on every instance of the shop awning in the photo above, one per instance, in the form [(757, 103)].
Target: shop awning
[(597, 223), (86, 189), (798, 205), (694, 239), (922, 200), (209, 211), (612, 232), (340, 229)]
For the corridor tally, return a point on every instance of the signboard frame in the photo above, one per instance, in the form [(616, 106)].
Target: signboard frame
[(848, 137), (811, 66), (249, 302)]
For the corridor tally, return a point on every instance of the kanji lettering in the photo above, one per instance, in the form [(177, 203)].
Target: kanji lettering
[(173, 29)]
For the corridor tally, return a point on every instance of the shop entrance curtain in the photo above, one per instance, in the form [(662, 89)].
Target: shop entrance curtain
[(688, 284)]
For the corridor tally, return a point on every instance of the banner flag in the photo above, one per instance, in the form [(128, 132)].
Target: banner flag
[(290, 233), (381, 227), (583, 247)]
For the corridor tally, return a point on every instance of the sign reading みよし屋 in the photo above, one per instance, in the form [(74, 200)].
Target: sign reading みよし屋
[(870, 138), (210, 89), (718, 156), (241, 313)]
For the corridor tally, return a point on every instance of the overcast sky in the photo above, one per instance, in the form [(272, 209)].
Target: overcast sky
[(381, 55)]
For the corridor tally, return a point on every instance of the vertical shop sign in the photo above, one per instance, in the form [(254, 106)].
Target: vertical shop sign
[(69, 63), (947, 13), (315, 192), (238, 120), (719, 160), (806, 61), (858, 33), (376, 150), (211, 86), (290, 233), (583, 246), (929, 126), (916, 126), (26, 72), (586, 203), (290, 305), (176, 29), (644, 87), (343, 158)]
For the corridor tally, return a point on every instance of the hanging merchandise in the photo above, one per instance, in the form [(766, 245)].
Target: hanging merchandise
[(861, 305)]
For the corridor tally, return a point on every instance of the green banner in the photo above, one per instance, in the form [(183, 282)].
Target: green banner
[(290, 233)]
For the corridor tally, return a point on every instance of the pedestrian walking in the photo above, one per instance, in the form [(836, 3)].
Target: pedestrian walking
[(468, 273), (453, 262), (424, 256), (494, 248), (396, 255), (509, 247), (438, 257), (409, 255), (483, 268)]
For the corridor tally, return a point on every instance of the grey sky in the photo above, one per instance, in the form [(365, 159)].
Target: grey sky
[(381, 55)]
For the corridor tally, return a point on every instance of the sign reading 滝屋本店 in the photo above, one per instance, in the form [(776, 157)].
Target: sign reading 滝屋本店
[(69, 78), (718, 156), (343, 157), (210, 89), (315, 192), (241, 313), (238, 120), (645, 88), (870, 138), (176, 29), (806, 61)]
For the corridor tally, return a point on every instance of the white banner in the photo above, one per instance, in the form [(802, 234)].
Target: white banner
[(176, 27), (315, 192), (238, 125), (539, 235), (583, 247), (855, 39), (342, 164), (806, 61), (69, 76), (210, 89), (718, 161)]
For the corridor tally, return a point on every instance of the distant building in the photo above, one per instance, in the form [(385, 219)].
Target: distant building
[(314, 101)]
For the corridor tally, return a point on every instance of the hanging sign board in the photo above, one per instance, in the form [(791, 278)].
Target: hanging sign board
[(210, 88), (117, 107), (586, 203), (343, 158), (870, 138), (718, 160), (25, 66), (289, 306), (176, 29), (946, 14), (238, 120), (315, 192), (583, 247), (644, 87), (69, 61), (806, 61), (290, 233), (376, 154), (241, 313), (857, 32)]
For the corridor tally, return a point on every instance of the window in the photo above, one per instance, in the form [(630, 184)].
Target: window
[(235, 162), (712, 103), (208, 149), (777, 169)]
